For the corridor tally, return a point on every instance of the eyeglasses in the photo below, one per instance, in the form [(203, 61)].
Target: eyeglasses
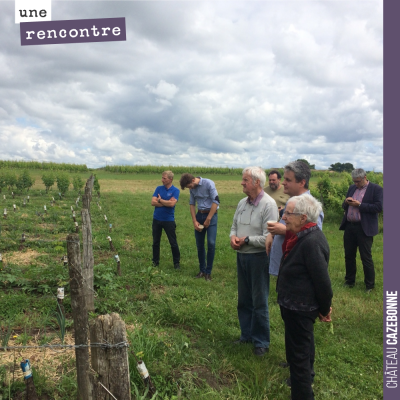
[(288, 214)]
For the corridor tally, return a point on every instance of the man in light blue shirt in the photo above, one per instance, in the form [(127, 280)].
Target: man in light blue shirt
[(204, 193), (295, 182)]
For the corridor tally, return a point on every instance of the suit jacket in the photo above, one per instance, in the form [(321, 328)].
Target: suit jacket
[(370, 207)]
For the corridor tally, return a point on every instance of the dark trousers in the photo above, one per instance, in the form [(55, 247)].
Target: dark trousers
[(300, 351), (354, 237), (169, 228)]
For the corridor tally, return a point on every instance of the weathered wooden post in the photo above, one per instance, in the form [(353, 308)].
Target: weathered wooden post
[(90, 182), (87, 198), (88, 259), (111, 364), (80, 316), (76, 227)]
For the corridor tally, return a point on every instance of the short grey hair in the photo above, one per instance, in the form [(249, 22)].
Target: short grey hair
[(256, 173), (307, 205), (169, 174), (358, 173), (301, 171)]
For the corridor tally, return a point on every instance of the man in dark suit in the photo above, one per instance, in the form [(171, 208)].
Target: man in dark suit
[(361, 207)]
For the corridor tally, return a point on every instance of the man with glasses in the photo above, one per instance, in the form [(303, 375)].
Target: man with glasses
[(361, 207), (248, 233), (296, 180)]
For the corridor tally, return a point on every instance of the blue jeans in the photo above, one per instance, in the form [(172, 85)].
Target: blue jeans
[(211, 232), (253, 291)]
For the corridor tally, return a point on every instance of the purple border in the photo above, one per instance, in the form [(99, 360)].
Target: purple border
[(391, 279)]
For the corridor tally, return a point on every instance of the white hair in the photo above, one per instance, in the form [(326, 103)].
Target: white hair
[(307, 205), (256, 173)]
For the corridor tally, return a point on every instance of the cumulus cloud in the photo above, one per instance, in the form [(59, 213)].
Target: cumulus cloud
[(206, 83)]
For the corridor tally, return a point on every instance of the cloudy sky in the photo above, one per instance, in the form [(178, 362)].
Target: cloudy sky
[(222, 83)]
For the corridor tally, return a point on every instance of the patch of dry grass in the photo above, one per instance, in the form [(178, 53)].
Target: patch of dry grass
[(21, 257), (148, 186), (50, 360)]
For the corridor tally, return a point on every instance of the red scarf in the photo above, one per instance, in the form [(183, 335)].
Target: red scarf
[(292, 238)]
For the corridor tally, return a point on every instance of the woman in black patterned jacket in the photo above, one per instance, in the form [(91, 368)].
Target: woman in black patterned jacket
[(304, 289)]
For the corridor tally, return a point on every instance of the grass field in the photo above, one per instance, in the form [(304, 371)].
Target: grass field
[(181, 326)]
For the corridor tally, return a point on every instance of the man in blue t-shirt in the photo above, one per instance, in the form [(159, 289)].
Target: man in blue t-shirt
[(163, 201)]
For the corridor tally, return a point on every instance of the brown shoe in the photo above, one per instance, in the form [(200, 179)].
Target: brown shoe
[(208, 277), (200, 275)]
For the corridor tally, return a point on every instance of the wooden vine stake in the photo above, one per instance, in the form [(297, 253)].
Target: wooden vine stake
[(30, 386), (80, 316), (112, 248), (23, 238), (118, 264), (60, 300), (111, 364)]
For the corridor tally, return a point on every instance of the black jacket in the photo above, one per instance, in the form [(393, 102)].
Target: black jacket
[(303, 274), (370, 207)]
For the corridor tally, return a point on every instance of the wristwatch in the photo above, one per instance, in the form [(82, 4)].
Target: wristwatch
[(247, 240), (159, 200)]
